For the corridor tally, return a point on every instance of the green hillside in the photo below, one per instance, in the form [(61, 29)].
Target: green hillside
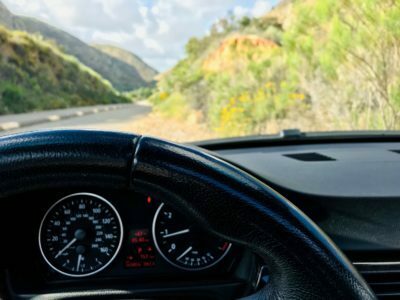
[(145, 71), (36, 75), (310, 64), (123, 76)]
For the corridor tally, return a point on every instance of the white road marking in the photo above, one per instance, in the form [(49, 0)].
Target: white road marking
[(54, 118), (9, 125)]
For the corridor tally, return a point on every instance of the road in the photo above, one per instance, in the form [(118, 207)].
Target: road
[(98, 117)]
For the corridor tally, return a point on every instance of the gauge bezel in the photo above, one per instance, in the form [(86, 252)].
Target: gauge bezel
[(173, 263), (106, 264)]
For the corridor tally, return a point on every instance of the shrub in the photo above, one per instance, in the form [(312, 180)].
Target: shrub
[(14, 99)]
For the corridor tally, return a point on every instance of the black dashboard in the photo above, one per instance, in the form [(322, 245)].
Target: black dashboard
[(350, 189)]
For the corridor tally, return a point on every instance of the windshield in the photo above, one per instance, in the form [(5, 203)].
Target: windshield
[(199, 69)]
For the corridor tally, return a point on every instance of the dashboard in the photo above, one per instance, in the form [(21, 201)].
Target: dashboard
[(132, 244), (350, 189)]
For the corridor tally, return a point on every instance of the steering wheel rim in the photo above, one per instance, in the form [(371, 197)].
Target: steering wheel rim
[(303, 262)]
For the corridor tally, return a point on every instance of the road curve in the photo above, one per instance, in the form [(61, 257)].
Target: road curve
[(108, 117)]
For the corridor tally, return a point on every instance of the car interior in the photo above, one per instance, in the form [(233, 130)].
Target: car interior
[(92, 214), (202, 149)]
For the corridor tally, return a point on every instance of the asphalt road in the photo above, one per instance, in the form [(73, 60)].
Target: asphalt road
[(97, 117)]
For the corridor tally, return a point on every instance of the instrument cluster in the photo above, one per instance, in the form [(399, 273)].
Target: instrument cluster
[(86, 234)]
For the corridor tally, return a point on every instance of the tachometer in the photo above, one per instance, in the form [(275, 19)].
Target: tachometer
[(182, 244), (80, 235)]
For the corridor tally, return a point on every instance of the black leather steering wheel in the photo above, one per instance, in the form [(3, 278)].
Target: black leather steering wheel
[(303, 262)]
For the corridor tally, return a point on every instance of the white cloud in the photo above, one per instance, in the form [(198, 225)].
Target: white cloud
[(260, 7), (163, 27), (143, 10), (240, 11), (21, 6), (156, 30), (112, 37), (153, 45)]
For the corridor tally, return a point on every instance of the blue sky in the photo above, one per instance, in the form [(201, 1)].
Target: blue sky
[(155, 30)]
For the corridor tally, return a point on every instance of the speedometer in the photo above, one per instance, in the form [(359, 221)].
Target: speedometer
[(184, 245), (80, 235)]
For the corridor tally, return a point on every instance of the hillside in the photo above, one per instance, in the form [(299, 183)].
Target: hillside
[(145, 71), (313, 65), (224, 78), (36, 75), (123, 76), (237, 51), (282, 12)]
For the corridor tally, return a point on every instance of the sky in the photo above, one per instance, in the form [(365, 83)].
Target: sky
[(155, 30)]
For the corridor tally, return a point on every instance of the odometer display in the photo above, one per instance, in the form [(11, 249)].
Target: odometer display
[(80, 235), (182, 244)]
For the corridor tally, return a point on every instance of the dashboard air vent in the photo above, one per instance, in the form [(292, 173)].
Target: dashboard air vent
[(383, 279), (309, 156), (381, 272)]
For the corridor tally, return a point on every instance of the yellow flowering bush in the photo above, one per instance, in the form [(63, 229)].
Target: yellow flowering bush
[(248, 112), (163, 95)]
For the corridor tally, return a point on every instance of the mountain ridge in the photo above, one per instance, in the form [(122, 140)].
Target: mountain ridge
[(145, 71), (123, 76), (37, 75)]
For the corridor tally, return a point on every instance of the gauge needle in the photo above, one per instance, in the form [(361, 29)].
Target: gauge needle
[(66, 247), (176, 233), (79, 262), (184, 253)]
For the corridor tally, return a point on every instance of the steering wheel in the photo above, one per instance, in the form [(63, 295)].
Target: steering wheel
[(302, 261)]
